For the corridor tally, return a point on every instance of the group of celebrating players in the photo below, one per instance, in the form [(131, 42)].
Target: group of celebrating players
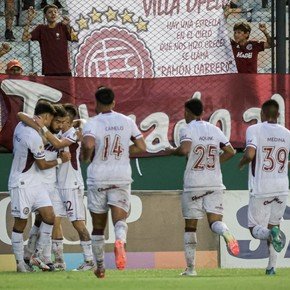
[(46, 178)]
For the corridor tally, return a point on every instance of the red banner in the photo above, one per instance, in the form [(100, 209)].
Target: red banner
[(231, 101)]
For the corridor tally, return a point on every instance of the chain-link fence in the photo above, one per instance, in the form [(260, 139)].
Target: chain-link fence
[(148, 38)]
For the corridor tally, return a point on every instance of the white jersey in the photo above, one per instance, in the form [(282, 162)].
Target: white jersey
[(112, 132), (268, 172), (203, 166), (27, 146), (69, 174), (50, 154)]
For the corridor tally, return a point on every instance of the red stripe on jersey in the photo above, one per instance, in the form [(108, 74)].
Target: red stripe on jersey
[(29, 161)]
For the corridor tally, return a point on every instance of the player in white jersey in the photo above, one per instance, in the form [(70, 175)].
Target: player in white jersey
[(27, 189), (70, 187), (267, 151), (50, 182), (109, 136), (203, 188)]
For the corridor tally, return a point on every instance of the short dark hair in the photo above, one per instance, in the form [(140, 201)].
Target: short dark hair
[(195, 106), (71, 110), (59, 110), (243, 26), (44, 107), (105, 95), (270, 108), (48, 6)]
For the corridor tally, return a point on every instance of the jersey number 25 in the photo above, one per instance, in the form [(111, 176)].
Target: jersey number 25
[(205, 157)]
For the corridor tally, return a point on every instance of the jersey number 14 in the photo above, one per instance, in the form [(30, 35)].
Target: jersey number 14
[(112, 148)]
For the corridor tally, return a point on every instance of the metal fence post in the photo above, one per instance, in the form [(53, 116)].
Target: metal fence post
[(281, 36)]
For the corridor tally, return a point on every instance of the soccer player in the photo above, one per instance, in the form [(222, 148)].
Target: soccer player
[(50, 182), (70, 187), (108, 135), (27, 190), (203, 188), (267, 151)]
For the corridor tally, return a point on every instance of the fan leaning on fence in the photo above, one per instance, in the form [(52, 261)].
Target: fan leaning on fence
[(53, 38)]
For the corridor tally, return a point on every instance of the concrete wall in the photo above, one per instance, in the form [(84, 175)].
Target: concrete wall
[(155, 236)]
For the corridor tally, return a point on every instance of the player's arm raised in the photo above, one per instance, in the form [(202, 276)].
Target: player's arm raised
[(228, 153), (78, 124), (54, 141), (28, 120)]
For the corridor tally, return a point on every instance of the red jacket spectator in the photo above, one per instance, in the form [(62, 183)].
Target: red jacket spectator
[(246, 51), (53, 38)]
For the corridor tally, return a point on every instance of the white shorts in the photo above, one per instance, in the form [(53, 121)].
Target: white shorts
[(196, 203), (27, 200), (266, 210), (100, 197), (73, 202), (57, 203)]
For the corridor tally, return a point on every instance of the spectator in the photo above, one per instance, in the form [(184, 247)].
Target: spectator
[(53, 38), (14, 67), (239, 7), (28, 3), (9, 16), (246, 51), (56, 3), (235, 6), (4, 49)]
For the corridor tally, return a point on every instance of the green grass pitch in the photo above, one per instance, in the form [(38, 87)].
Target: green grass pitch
[(212, 279)]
